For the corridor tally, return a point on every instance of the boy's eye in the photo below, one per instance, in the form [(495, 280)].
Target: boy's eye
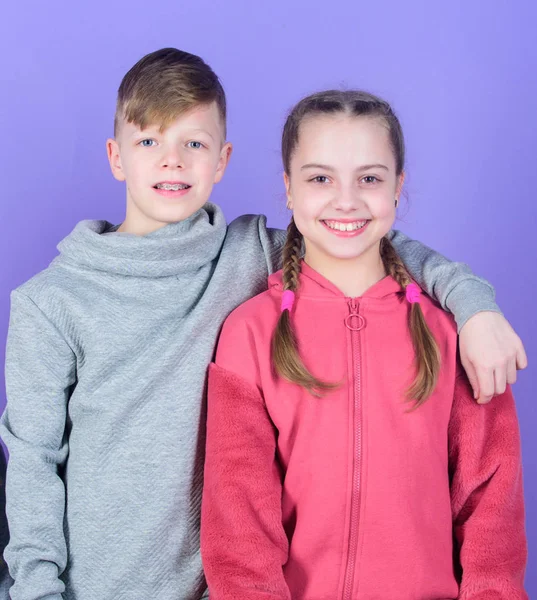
[(195, 145), (320, 179), (147, 143)]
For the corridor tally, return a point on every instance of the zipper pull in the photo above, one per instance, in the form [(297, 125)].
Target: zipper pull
[(354, 320)]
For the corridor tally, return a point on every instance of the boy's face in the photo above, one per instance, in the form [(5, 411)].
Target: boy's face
[(169, 174)]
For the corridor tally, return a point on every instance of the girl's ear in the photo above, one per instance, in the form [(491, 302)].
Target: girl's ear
[(400, 183), (287, 183)]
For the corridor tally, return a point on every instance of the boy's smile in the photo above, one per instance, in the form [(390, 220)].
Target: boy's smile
[(172, 189), (169, 173)]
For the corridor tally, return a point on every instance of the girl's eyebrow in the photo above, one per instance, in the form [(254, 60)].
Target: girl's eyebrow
[(316, 166), (329, 168), (374, 166)]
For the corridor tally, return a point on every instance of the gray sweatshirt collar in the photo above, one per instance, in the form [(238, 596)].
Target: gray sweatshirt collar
[(175, 249)]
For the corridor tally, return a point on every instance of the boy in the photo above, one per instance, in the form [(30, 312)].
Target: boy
[(108, 350)]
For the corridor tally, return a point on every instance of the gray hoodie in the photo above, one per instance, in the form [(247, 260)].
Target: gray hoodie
[(105, 372)]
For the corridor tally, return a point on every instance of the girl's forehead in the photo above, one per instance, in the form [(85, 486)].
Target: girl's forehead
[(323, 124), (341, 135)]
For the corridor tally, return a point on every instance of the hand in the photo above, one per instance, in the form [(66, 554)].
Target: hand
[(491, 353)]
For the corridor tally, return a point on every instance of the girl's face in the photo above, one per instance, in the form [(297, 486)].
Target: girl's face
[(342, 187)]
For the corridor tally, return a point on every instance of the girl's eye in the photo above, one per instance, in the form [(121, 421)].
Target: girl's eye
[(320, 179), (147, 143), (195, 145), (369, 179)]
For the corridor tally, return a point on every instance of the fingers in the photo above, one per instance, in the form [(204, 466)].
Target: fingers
[(493, 382), (511, 371), (486, 382), (500, 381), (472, 377), (495, 368), (521, 358)]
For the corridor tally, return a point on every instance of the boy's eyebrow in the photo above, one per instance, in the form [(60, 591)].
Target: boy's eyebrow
[(203, 131), (153, 129), (147, 131), (329, 168)]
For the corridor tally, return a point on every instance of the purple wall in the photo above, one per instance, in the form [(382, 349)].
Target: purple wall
[(461, 74)]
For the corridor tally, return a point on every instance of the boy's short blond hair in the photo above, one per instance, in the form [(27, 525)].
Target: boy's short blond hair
[(165, 84)]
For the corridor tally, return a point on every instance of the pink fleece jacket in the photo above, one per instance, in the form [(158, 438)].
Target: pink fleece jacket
[(351, 496)]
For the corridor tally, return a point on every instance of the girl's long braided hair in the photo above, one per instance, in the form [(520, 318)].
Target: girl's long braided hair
[(285, 351)]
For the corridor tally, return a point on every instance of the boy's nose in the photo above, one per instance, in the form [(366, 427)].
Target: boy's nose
[(173, 160)]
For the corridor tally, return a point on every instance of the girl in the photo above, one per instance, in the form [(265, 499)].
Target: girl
[(346, 457)]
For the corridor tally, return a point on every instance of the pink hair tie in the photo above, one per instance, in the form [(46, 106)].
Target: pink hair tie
[(413, 293), (288, 299)]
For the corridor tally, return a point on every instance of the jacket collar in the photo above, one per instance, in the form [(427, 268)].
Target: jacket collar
[(313, 285)]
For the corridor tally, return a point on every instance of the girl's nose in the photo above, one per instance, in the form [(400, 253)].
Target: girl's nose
[(347, 200)]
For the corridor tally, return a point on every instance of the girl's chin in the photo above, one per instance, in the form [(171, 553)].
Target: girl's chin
[(332, 256), (342, 251)]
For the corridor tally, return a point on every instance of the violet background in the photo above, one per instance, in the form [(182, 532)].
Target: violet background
[(462, 75)]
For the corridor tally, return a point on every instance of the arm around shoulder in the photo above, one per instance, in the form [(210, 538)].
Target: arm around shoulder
[(491, 351), (452, 284)]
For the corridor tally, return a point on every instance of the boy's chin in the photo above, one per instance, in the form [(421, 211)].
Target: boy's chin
[(176, 213), (144, 220)]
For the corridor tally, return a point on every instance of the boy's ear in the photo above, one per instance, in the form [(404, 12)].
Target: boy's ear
[(223, 161), (112, 149), (287, 184)]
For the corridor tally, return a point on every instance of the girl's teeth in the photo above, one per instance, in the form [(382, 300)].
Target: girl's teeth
[(345, 226)]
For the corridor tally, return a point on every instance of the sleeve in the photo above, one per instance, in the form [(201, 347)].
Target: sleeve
[(272, 241), (452, 284), (487, 496), (243, 543), (5, 580), (40, 373)]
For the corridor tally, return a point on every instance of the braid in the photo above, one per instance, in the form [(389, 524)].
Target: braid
[(393, 264), (292, 252), (427, 355), (285, 353)]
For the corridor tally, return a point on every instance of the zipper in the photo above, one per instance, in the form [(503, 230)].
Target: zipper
[(354, 322)]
